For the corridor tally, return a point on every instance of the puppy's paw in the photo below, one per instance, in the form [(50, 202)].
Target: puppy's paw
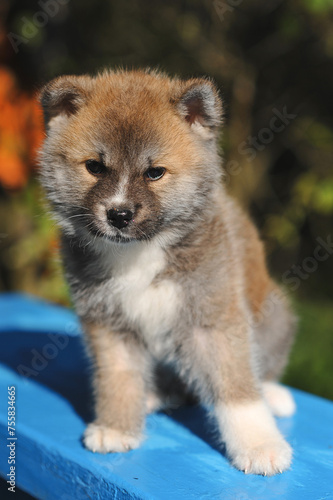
[(279, 399), (254, 443), (267, 459), (102, 439)]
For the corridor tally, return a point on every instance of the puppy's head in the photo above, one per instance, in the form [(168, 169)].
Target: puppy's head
[(129, 155)]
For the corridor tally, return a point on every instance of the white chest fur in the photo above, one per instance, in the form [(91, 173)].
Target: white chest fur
[(150, 307)]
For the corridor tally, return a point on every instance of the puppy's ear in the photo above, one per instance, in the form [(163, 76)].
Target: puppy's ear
[(64, 96), (200, 105)]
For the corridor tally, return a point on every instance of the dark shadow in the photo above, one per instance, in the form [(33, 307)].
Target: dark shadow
[(59, 363), (18, 495), (197, 419)]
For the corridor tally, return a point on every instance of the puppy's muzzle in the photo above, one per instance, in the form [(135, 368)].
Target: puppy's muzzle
[(119, 217)]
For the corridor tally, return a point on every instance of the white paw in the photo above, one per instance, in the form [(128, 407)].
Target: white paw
[(279, 399), (254, 443), (267, 459), (101, 439)]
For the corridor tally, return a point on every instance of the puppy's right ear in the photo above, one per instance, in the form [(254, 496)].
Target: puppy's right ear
[(64, 96)]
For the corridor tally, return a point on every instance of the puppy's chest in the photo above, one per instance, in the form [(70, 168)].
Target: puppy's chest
[(149, 304)]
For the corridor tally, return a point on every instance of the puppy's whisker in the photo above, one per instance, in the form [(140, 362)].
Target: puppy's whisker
[(79, 215), (143, 233), (78, 206)]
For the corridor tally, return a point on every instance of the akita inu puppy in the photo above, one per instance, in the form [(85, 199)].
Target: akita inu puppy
[(166, 272)]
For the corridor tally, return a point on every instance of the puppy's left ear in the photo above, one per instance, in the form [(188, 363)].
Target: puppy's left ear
[(200, 105)]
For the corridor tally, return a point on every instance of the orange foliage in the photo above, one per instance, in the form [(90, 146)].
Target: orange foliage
[(21, 132)]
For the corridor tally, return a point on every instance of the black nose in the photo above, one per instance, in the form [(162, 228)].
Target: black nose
[(119, 217)]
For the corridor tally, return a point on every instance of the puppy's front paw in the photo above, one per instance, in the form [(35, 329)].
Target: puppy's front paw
[(267, 459), (254, 443), (102, 439), (279, 399)]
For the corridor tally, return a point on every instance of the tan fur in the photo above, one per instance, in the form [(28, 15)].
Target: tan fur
[(178, 297), (119, 380)]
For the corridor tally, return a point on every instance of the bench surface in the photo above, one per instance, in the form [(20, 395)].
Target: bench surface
[(179, 458)]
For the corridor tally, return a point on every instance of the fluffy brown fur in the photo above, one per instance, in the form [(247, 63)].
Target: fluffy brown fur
[(166, 272)]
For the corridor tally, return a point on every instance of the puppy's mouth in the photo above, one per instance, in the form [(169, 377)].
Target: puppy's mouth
[(101, 229), (117, 238), (117, 235), (123, 236)]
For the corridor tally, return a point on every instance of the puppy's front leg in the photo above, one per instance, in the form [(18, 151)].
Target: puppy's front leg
[(224, 370), (119, 392), (253, 441)]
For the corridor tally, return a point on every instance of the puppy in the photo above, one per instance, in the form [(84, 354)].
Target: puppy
[(166, 272)]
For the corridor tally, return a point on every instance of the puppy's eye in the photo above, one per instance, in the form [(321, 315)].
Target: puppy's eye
[(154, 173), (95, 167)]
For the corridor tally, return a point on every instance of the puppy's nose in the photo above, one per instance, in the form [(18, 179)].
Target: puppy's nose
[(119, 217)]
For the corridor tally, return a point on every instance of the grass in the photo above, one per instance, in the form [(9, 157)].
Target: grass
[(311, 362)]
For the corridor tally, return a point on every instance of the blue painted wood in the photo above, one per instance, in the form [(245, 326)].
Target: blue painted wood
[(24, 313), (178, 460)]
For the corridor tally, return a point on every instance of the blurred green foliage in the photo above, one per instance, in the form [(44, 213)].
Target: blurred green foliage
[(310, 367), (266, 57), (30, 259)]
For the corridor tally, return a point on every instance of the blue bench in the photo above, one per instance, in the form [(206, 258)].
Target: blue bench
[(42, 356)]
